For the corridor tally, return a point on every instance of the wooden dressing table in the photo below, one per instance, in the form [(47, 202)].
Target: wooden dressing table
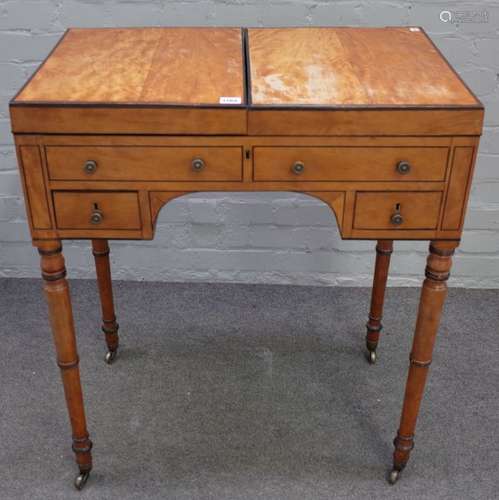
[(372, 121)]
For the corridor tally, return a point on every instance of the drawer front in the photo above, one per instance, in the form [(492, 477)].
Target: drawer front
[(350, 163), (397, 210), (151, 163), (97, 210)]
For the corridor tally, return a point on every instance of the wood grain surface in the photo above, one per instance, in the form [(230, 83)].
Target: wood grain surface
[(349, 163), (351, 66), (373, 210), (129, 163), (74, 209), (337, 81), (34, 187), (189, 66)]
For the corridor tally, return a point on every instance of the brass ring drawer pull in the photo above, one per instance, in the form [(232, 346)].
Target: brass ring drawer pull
[(90, 166), (298, 167), (96, 217), (403, 167), (198, 164), (396, 219)]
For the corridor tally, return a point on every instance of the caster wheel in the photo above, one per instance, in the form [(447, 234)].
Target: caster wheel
[(394, 476), (111, 356), (371, 357), (81, 480)]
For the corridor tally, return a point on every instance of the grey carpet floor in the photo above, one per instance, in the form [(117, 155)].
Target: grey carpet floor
[(248, 392)]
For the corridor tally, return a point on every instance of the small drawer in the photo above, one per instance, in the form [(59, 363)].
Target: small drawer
[(97, 210), (397, 210), (145, 163), (339, 163)]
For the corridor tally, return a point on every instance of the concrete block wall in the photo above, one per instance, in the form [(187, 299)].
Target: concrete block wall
[(253, 237)]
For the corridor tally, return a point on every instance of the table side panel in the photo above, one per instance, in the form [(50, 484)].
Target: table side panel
[(459, 183), (33, 180)]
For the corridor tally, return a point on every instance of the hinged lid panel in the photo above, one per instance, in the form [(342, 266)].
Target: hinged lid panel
[(110, 72), (362, 67), (355, 81)]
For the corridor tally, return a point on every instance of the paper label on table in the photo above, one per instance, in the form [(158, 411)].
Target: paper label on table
[(230, 100)]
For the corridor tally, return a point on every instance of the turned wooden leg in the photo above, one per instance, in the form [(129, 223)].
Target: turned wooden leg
[(432, 299), (384, 250), (100, 249), (61, 319)]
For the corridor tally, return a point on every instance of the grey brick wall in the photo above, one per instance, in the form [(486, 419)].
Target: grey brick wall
[(271, 237)]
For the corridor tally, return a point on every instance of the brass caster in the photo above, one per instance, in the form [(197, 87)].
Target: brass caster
[(81, 480), (394, 476), (111, 356), (371, 357)]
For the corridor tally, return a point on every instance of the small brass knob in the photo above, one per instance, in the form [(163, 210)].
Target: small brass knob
[(298, 167), (397, 219), (197, 164), (403, 167), (90, 166), (96, 217)]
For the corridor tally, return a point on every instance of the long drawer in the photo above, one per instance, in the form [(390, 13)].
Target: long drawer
[(349, 163), (97, 210), (144, 163), (397, 210)]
